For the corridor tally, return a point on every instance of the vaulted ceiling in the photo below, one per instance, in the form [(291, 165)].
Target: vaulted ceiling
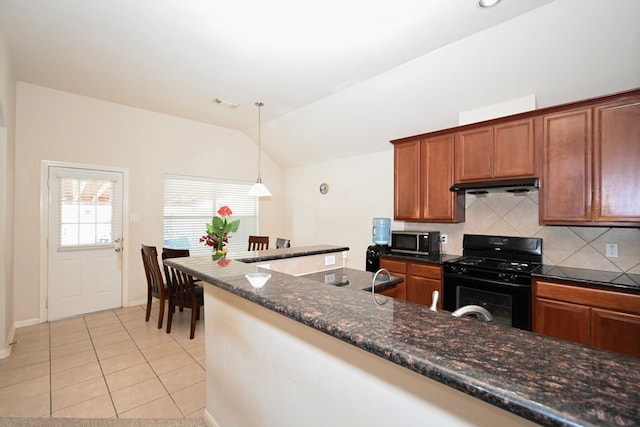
[(176, 57)]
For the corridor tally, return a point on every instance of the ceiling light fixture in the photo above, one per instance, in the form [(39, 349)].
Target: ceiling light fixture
[(224, 103), (487, 3), (259, 189)]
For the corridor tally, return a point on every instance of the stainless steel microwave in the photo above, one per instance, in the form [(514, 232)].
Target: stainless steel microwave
[(415, 242)]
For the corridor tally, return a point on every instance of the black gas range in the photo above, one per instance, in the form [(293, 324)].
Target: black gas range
[(495, 273)]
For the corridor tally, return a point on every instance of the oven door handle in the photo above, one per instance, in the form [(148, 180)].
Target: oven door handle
[(459, 277)]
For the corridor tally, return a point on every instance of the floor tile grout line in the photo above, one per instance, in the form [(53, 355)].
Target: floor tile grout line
[(154, 372), (121, 317), (158, 376), (104, 378)]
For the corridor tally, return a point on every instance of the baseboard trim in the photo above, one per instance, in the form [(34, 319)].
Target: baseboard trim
[(28, 322), (138, 302), (6, 351), (208, 419)]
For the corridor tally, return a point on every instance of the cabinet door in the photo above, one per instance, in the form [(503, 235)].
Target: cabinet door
[(565, 193), (389, 292), (438, 203), (397, 269), (514, 149), (563, 320), (616, 331), (474, 154), (407, 181), (617, 161), (420, 290), (422, 280), (399, 291)]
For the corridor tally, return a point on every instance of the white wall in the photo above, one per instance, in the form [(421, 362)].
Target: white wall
[(59, 126), (360, 188), (7, 113), (565, 51)]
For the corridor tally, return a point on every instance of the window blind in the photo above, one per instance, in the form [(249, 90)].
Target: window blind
[(191, 202)]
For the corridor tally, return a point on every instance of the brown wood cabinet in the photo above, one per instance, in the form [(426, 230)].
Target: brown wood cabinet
[(602, 318), (590, 173), (421, 279), (585, 153), (502, 151), (398, 269), (423, 173)]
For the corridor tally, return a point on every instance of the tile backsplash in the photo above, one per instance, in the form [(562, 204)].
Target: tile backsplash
[(505, 214)]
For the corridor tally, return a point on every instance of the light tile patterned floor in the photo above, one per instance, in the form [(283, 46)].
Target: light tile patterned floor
[(106, 365)]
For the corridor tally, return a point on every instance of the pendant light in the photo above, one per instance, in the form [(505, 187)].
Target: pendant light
[(259, 189)]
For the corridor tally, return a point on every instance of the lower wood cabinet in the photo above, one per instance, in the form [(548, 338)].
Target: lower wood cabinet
[(602, 318), (398, 269), (398, 291), (420, 279)]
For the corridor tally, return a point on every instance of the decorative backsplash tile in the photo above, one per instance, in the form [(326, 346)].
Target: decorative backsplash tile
[(506, 214)]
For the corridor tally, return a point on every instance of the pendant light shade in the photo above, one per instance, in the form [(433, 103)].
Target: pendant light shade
[(259, 189)]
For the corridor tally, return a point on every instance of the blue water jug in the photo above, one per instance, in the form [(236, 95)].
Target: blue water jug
[(381, 231)]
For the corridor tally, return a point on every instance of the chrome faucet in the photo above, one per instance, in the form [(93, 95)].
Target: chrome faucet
[(476, 310), (373, 285)]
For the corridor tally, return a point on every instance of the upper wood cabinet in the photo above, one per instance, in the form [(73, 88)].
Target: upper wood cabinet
[(590, 173), (616, 161), (586, 155), (505, 150), (566, 173), (423, 173)]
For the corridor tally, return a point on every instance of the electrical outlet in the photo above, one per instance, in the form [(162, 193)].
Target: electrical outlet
[(611, 250), (330, 260), (444, 239)]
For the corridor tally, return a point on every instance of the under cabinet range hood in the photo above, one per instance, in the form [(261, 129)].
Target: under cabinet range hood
[(515, 186)]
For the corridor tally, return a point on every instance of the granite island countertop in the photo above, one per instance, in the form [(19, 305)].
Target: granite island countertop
[(546, 380), (291, 252), (350, 278)]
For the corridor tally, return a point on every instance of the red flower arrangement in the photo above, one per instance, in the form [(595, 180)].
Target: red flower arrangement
[(218, 233)]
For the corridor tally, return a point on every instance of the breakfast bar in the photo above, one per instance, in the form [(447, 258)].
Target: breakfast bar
[(299, 351)]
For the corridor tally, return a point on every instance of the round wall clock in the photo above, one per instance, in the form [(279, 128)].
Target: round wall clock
[(324, 188)]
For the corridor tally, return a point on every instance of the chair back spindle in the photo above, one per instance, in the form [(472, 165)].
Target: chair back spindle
[(258, 243)]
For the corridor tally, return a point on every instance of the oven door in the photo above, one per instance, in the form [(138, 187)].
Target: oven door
[(509, 304)]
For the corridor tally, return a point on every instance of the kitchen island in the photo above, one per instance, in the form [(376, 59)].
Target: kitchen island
[(299, 352)]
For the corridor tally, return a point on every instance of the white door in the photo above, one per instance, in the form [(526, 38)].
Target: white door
[(85, 241)]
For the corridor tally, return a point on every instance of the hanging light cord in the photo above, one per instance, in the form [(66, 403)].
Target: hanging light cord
[(259, 105)]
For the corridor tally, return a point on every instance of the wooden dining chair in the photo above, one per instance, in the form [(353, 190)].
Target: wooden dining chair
[(182, 292), (156, 287), (282, 243), (173, 253), (258, 243)]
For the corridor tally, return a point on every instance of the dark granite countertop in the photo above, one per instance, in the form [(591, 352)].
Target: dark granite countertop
[(549, 381), (604, 279), (353, 279), (430, 259), (273, 254)]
